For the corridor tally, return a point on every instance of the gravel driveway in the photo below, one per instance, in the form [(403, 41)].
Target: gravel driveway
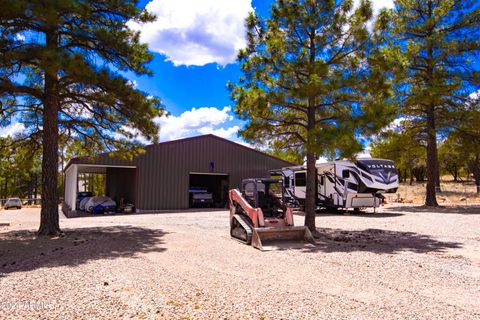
[(402, 263)]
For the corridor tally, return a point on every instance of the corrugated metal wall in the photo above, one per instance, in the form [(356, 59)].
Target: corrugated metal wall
[(163, 171)]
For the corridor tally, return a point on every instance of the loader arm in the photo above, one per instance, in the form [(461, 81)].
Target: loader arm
[(255, 214)]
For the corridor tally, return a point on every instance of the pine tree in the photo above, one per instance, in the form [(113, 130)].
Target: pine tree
[(405, 148), (309, 85), (433, 44), (466, 138), (61, 65)]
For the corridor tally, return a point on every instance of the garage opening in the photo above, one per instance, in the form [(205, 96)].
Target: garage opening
[(208, 190)]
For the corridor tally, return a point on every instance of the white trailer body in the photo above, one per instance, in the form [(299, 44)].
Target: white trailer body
[(294, 184), (344, 184)]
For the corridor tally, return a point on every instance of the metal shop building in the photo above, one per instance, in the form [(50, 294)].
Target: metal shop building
[(162, 177)]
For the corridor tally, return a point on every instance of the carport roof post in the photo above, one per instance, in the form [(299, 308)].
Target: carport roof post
[(71, 175)]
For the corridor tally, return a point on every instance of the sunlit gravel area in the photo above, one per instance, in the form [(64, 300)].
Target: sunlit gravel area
[(402, 262)]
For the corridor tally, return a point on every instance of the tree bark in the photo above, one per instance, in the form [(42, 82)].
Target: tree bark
[(476, 172), (437, 178), (311, 192), (411, 176), (49, 219), (431, 199)]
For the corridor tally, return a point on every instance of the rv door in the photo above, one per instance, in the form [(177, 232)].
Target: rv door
[(300, 187)]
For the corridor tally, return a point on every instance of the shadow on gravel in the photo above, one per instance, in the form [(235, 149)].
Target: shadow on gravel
[(77, 214), (363, 214), (24, 251), (473, 209), (377, 241)]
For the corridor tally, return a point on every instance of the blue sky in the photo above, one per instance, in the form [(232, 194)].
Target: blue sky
[(193, 61), (195, 45)]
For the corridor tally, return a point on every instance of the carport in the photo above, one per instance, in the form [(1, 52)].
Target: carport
[(120, 182)]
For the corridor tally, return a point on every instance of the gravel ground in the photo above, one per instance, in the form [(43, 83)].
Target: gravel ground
[(402, 263)]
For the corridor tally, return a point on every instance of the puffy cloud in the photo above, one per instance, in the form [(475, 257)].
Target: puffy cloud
[(192, 32), (378, 4), (20, 37), (474, 95), (221, 132), (12, 130), (203, 120)]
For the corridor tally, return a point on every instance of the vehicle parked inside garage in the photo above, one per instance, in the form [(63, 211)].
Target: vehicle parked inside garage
[(200, 197)]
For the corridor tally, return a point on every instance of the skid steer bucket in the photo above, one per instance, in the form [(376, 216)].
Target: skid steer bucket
[(269, 238)]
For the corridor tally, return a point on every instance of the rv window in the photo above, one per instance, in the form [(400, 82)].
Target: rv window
[(300, 179), (345, 174), (286, 182), (352, 186), (321, 180)]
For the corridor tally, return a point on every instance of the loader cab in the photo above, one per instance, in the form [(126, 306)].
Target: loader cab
[(266, 194)]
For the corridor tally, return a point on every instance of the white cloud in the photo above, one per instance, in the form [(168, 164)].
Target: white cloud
[(203, 120), (12, 130), (133, 83), (378, 4), (474, 95), (221, 132), (193, 32), (20, 37), (395, 125)]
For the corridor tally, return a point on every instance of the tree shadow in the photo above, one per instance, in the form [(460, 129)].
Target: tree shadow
[(458, 209), (83, 214), (377, 241), (24, 251), (363, 214)]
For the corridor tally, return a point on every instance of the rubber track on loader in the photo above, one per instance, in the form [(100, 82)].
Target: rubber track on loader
[(245, 225)]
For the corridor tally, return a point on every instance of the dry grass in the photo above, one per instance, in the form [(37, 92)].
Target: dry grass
[(453, 193)]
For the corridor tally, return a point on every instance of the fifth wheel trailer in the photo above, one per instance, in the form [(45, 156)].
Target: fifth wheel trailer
[(342, 184)]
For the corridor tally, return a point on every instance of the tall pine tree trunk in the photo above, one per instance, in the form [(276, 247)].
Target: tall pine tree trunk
[(431, 199), (437, 178), (476, 172), (49, 219), (311, 192)]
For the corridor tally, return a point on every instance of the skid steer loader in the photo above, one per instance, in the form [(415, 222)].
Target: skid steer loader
[(259, 217)]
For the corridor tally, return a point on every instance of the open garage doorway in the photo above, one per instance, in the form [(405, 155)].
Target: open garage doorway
[(208, 190)]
